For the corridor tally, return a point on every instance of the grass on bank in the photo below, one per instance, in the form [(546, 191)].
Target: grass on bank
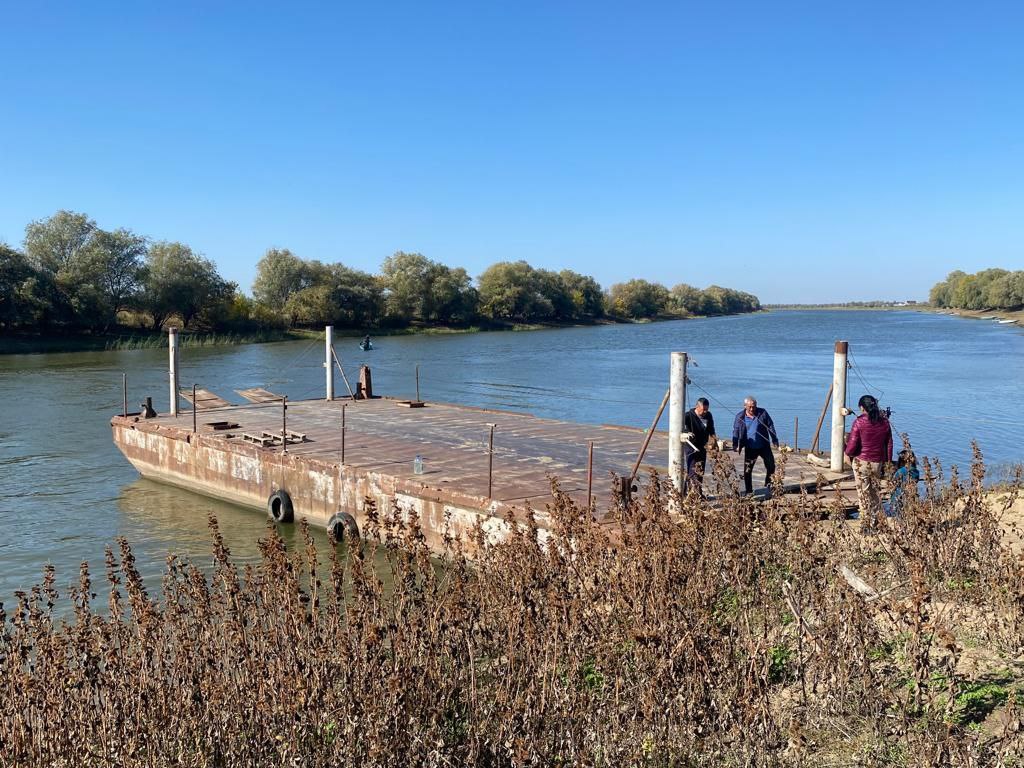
[(715, 635), (135, 338)]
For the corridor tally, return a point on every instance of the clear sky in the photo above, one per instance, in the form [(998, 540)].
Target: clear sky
[(800, 151)]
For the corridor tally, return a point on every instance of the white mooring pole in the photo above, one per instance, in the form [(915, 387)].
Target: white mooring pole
[(676, 408), (172, 355), (838, 404), (329, 361)]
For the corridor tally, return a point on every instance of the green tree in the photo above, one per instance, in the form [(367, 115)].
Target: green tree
[(342, 296), (551, 286), (638, 299), (280, 273), (53, 244), (1006, 291), (179, 281), (407, 280), (584, 292), (942, 294), (115, 262), (453, 299), (969, 293), (686, 299), (510, 290), (417, 288)]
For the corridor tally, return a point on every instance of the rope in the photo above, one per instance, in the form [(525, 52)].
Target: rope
[(855, 367), (291, 363)]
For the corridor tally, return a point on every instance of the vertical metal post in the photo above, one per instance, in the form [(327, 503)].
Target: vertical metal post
[(490, 462), (124, 391), (343, 407), (417, 382), (796, 434), (676, 409), (328, 361), (284, 424), (195, 409), (838, 404), (172, 355), (590, 473)]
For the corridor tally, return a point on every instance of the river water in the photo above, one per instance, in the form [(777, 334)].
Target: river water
[(67, 492)]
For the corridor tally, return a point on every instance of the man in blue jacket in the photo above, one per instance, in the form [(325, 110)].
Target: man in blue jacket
[(753, 434)]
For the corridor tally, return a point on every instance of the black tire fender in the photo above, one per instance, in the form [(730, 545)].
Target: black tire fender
[(342, 526), (279, 507)]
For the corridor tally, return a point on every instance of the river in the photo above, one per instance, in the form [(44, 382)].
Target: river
[(68, 492)]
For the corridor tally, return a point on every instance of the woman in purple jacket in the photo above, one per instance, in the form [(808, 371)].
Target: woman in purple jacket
[(869, 447)]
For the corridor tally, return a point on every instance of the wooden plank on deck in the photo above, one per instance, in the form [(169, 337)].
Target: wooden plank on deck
[(259, 395), (205, 398)]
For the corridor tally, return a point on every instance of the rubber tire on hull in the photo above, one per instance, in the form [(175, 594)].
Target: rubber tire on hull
[(279, 507), (343, 526)]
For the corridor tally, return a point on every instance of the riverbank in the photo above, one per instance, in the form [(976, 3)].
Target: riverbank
[(128, 339), (981, 314), (842, 307), (33, 344)]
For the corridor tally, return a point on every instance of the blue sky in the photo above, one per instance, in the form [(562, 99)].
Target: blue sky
[(801, 151)]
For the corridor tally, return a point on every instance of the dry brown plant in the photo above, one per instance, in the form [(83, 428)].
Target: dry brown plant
[(725, 633)]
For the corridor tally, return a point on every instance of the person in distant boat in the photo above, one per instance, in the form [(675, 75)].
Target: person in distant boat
[(753, 435), (366, 344), (698, 428), (869, 447)]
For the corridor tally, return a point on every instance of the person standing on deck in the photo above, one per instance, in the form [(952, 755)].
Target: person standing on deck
[(869, 447), (698, 428), (753, 435)]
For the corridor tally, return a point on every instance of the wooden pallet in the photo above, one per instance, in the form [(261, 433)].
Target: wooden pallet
[(266, 438)]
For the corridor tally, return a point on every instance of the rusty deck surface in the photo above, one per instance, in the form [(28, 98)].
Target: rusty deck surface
[(384, 437)]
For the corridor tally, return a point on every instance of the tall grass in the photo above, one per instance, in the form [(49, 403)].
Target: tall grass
[(157, 341), (715, 635)]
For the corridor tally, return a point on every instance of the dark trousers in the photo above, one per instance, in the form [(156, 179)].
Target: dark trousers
[(696, 461), (750, 457)]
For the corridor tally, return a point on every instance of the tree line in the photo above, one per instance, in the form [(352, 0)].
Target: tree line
[(72, 274), (987, 289)]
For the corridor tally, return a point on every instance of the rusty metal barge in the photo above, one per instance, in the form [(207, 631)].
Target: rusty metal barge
[(454, 466)]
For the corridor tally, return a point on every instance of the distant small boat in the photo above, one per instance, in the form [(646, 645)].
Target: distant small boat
[(1006, 322), (366, 346), (988, 317)]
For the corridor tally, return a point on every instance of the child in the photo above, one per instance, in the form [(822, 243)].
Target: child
[(906, 478)]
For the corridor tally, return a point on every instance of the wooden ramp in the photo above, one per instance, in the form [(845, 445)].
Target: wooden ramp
[(259, 395), (205, 399)]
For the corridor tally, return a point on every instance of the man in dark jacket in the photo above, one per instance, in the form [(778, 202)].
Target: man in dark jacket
[(753, 434), (698, 428)]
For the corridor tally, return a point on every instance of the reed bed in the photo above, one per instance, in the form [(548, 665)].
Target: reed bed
[(157, 341), (678, 633)]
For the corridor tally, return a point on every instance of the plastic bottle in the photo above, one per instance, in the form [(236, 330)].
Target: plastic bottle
[(417, 465)]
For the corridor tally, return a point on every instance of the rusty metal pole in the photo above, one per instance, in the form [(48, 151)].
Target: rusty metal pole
[(328, 362), (343, 407), (821, 420), (590, 473), (172, 367), (124, 391), (796, 434), (284, 424), (195, 409), (490, 462), (650, 433), (417, 382)]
